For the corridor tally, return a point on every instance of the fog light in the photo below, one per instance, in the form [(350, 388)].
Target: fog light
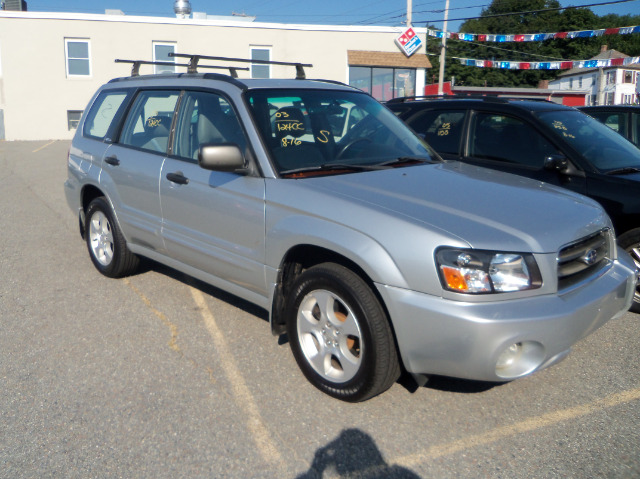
[(509, 356), (519, 359)]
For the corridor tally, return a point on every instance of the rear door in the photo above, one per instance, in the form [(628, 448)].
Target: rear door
[(131, 167)]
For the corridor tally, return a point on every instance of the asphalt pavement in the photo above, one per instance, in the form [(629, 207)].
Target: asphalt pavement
[(161, 376)]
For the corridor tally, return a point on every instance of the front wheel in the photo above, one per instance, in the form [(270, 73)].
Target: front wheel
[(105, 242), (340, 335), (630, 242)]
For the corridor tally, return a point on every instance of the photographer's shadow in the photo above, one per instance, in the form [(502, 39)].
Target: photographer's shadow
[(353, 454)]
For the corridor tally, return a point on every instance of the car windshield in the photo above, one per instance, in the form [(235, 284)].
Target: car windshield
[(605, 149), (331, 131)]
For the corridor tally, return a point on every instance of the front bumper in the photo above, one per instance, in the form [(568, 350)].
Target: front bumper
[(466, 339)]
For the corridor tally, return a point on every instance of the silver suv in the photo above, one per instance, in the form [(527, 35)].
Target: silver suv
[(313, 201)]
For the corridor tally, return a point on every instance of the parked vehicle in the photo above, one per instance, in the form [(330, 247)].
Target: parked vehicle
[(625, 119), (540, 140), (368, 251)]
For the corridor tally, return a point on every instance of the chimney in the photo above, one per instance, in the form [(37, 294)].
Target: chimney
[(543, 84), (603, 48)]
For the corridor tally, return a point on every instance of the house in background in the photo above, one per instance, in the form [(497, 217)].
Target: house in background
[(614, 85)]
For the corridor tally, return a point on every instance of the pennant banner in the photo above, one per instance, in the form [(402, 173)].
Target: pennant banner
[(557, 65), (533, 37)]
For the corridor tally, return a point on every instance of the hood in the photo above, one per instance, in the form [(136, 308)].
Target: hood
[(484, 208)]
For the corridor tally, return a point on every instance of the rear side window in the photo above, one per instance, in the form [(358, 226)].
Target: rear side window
[(149, 121), (441, 129), (102, 113)]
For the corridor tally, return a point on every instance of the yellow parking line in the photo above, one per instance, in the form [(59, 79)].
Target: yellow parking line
[(44, 146), (527, 425), (240, 391)]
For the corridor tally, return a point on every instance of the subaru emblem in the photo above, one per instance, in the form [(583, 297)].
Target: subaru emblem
[(590, 257)]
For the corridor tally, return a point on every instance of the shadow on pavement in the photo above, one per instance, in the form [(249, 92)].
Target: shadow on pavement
[(353, 454)]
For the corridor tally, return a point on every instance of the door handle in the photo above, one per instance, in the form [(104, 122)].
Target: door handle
[(177, 177), (112, 160)]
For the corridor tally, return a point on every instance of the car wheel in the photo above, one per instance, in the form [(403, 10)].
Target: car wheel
[(107, 247), (340, 335), (630, 242)]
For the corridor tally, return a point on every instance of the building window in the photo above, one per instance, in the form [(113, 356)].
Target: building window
[(161, 54), (611, 77), (384, 83), (579, 82), (73, 118), (259, 70), (570, 83), (609, 98), (78, 57), (629, 76), (593, 80)]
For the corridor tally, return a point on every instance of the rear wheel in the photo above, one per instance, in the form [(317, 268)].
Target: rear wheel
[(107, 247), (630, 242), (340, 334)]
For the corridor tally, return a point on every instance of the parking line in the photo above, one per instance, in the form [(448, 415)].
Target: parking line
[(242, 394), (44, 146), (173, 342), (527, 425)]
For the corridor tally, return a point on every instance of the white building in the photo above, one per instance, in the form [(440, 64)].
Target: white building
[(615, 85), (52, 63)]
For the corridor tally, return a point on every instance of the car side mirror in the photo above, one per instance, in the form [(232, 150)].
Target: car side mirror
[(226, 157), (557, 163)]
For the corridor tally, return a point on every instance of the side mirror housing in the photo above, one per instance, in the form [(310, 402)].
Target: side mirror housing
[(557, 163), (225, 157)]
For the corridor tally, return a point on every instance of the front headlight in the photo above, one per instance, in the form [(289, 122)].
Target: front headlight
[(475, 271)]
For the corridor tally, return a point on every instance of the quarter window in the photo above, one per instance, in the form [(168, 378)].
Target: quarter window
[(78, 57), (73, 118), (102, 113), (149, 122)]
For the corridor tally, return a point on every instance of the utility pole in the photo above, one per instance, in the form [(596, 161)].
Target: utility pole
[(409, 12), (444, 46)]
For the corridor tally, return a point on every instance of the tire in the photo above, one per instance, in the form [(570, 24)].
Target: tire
[(340, 335), (107, 247), (630, 242)]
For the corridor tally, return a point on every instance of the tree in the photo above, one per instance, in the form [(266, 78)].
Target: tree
[(546, 20)]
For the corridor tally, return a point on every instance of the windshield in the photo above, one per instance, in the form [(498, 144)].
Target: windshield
[(332, 131), (605, 149)]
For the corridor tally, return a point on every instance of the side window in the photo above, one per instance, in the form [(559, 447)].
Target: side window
[(503, 138), (149, 121), (636, 126), (441, 129), (102, 113), (206, 118)]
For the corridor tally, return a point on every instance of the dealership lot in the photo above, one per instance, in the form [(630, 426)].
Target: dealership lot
[(159, 375)]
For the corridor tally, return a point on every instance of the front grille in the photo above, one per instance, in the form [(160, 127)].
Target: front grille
[(580, 259)]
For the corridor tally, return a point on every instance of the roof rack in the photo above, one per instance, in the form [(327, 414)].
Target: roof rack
[(194, 59), (135, 68), (490, 97)]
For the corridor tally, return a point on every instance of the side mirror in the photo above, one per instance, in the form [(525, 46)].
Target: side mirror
[(557, 163), (225, 157)]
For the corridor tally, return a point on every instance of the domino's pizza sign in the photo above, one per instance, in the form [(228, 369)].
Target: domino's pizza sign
[(409, 42)]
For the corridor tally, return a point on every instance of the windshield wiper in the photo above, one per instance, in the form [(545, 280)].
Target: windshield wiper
[(627, 170), (409, 160), (332, 167)]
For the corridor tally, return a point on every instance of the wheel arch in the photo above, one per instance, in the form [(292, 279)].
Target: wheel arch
[(302, 257), (89, 193)]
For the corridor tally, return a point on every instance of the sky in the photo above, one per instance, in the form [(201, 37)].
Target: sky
[(325, 12)]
